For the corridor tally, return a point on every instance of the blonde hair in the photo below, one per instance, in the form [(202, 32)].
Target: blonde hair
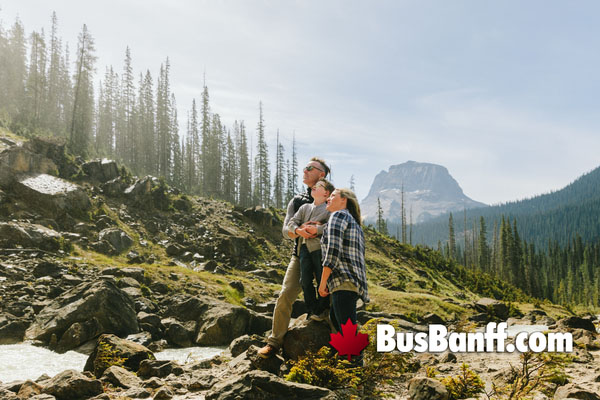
[(351, 203)]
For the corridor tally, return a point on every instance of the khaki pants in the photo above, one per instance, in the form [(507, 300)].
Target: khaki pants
[(283, 308)]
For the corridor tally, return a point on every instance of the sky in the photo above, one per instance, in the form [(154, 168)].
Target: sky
[(504, 94)]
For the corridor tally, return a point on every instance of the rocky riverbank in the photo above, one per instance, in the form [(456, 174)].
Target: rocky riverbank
[(118, 268)]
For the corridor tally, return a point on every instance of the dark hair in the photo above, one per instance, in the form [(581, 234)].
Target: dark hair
[(326, 184), (351, 203), (326, 168)]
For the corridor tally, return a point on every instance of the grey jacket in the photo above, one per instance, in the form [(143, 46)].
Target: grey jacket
[(310, 212)]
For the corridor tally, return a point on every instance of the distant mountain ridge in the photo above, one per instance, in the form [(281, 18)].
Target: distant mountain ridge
[(556, 216), (429, 190)]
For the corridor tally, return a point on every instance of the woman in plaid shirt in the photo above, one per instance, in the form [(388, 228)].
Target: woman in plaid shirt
[(343, 246)]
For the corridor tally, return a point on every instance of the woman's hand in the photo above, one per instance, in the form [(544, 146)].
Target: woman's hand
[(323, 291), (311, 230), (303, 232)]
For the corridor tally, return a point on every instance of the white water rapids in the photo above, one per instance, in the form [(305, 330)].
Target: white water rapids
[(24, 361)]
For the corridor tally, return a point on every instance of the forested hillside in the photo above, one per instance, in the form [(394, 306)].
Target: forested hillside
[(47, 87), (557, 216)]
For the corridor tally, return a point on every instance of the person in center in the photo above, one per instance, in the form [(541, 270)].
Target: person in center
[(344, 273)]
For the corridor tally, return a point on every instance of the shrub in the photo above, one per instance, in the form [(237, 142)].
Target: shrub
[(466, 384)]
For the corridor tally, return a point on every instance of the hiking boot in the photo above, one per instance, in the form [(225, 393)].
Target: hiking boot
[(321, 316), (267, 352)]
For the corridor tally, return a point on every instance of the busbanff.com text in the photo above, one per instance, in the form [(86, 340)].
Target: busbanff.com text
[(493, 339)]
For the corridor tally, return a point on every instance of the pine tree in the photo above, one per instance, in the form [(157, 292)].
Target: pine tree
[(205, 147), (163, 122), (83, 97), (403, 215), (483, 248), (53, 112), (147, 126), (229, 171), (279, 180), (451, 239), (262, 176), (352, 183), (36, 82), (177, 177), (292, 173), (381, 222), (13, 70), (245, 185)]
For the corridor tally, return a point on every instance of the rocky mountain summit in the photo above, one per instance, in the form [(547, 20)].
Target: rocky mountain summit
[(118, 267), (429, 190)]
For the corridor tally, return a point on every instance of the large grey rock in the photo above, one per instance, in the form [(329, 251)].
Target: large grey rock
[(17, 159), (111, 350), (497, 308), (51, 195), (241, 344), (73, 385), (426, 389), (12, 330), (112, 310), (120, 377), (265, 386), (120, 240), (250, 360), (101, 170), (305, 335), (29, 389), (221, 324), (14, 234), (159, 368), (577, 323), (578, 391)]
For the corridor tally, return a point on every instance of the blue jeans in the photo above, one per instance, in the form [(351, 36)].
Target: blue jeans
[(343, 306), (310, 265)]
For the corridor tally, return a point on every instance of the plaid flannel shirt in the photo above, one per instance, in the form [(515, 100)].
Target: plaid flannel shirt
[(343, 247)]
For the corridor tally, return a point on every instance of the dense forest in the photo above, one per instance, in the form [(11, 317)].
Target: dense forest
[(567, 274), (46, 89), (557, 216)]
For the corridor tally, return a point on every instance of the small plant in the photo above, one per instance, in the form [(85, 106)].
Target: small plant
[(466, 384), (324, 369), (538, 371)]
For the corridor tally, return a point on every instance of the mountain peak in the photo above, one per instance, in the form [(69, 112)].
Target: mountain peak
[(429, 190)]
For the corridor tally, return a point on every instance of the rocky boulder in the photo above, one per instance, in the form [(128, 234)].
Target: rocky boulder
[(118, 239), (17, 159), (73, 385), (101, 170), (570, 323), (15, 234), (51, 195), (578, 391), (120, 377), (305, 335), (12, 329), (98, 307), (426, 389), (111, 350), (492, 307), (265, 386), (221, 324)]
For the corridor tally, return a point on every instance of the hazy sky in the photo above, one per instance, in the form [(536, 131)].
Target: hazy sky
[(502, 93)]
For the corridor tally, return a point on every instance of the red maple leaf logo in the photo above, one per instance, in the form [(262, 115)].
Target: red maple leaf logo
[(349, 342)]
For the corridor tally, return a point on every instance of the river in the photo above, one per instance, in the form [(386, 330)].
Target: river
[(24, 361)]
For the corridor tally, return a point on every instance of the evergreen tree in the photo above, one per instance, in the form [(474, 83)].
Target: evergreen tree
[(451, 239), (163, 121), (177, 176), (245, 182), (279, 181), (483, 248), (205, 147), (381, 222), (292, 173), (262, 177), (83, 97), (352, 183), (36, 82), (147, 126)]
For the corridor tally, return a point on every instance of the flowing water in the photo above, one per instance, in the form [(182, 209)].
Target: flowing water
[(24, 361)]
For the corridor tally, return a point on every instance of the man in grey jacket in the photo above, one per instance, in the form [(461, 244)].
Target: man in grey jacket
[(291, 288)]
